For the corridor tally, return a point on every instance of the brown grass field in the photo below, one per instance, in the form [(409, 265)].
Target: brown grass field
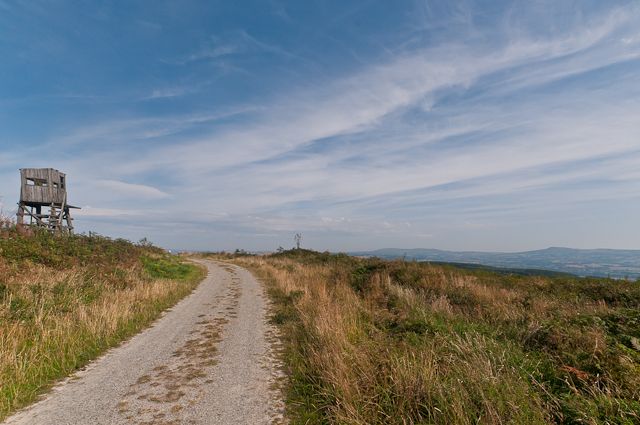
[(378, 342), (366, 341)]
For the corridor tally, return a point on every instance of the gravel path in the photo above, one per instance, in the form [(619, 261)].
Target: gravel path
[(209, 360)]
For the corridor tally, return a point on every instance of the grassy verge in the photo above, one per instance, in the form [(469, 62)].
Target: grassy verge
[(65, 300), (376, 342)]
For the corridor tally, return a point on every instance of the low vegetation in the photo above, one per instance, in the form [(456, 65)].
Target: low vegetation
[(392, 342), (65, 300)]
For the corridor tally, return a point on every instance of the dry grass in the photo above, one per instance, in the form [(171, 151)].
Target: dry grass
[(402, 343), (58, 311)]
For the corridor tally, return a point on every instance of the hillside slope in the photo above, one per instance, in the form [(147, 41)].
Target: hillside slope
[(616, 263), (391, 342), (65, 300)]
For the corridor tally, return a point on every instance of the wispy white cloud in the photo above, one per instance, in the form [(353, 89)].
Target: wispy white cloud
[(126, 131), (352, 106), (229, 45), (357, 103), (89, 211), (131, 190), (168, 93), (210, 52)]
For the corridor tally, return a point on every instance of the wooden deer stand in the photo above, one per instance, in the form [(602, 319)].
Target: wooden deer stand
[(43, 198)]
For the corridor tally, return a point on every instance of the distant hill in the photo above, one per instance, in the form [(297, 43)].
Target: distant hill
[(616, 263)]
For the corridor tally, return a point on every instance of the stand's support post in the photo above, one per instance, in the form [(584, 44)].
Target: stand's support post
[(20, 220), (69, 220), (53, 219)]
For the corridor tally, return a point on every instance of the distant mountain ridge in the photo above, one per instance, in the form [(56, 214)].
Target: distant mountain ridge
[(617, 263)]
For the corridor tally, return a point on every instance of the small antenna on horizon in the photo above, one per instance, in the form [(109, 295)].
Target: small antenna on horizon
[(297, 239)]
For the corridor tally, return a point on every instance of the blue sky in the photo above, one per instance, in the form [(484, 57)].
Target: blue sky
[(470, 125)]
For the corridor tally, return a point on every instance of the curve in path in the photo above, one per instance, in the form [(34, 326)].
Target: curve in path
[(209, 360)]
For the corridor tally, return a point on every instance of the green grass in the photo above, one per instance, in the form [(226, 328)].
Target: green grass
[(169, 267)]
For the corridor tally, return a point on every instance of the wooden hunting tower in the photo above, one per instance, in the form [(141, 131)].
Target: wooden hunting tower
[(43, 198)]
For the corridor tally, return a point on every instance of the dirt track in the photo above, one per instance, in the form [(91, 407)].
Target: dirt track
[(209, 360)]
